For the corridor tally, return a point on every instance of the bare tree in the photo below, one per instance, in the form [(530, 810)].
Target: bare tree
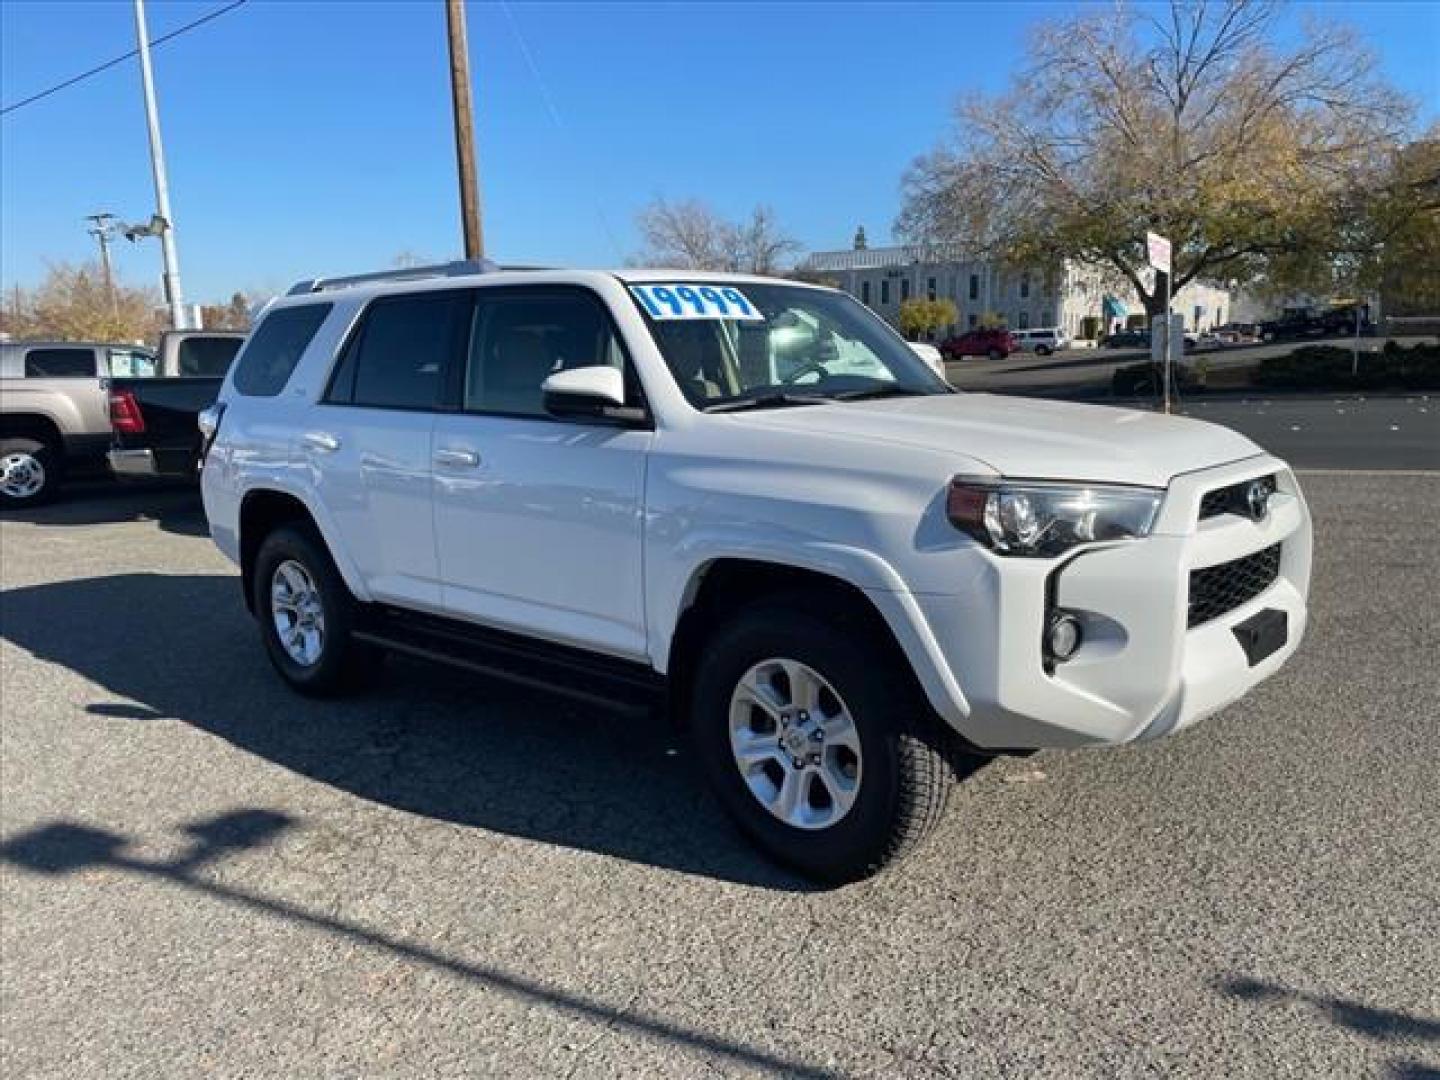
[(764, 247), (1188, 120), (690, 235), (685, 235)]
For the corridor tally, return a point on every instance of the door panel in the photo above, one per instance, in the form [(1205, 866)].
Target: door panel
[(543, 534), (371, 467)]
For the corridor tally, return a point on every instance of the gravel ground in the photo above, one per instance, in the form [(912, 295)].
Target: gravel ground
[(205, 874)]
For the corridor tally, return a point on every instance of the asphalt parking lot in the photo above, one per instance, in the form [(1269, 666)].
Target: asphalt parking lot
[(203, 874)]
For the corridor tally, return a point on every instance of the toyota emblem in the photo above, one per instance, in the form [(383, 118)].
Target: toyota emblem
[(1257, 499)]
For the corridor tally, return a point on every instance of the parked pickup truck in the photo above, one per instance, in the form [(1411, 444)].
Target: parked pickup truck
[(747, 501), (55, 412), (154, 419)]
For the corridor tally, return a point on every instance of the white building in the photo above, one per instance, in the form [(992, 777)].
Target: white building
[(1083, 300)]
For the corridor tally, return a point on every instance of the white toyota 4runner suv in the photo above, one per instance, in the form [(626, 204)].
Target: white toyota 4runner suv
[(749, 501)]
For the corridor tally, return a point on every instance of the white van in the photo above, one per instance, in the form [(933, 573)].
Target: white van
[(1041, 342)]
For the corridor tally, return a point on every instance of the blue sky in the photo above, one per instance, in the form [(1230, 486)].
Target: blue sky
[(306, 138)]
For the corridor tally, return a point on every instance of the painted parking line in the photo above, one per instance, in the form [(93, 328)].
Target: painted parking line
[(1367, 472)]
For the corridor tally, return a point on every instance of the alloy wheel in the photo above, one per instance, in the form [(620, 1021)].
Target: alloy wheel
[(795, 743), (297, 612)]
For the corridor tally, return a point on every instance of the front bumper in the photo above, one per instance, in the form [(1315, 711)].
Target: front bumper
[(1141, 671)]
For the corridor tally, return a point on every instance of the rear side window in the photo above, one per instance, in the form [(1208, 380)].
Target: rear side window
[(60, 363), (276, 347), (206, 356), (399, 356)]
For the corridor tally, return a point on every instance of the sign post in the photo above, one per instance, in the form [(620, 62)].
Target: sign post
[(1157, 249)]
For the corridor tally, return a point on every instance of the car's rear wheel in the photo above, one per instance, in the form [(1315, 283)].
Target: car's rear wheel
[(307, 616), (1043, 350), (996, 354), (29, 472), (816, 741)]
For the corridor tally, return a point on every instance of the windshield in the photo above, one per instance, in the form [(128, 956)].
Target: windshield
[(777, 344)]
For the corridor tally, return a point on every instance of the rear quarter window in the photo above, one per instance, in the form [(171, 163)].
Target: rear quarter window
[(276, 347), (60, 364)]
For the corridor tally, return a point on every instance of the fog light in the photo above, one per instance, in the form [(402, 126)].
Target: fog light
[(1064, 636)]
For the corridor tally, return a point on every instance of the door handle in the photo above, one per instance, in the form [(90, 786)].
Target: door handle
[(322, 441), (457, 459)]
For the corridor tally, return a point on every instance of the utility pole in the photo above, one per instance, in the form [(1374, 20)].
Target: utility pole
[(173, 296), (103, 229), (464, 130)]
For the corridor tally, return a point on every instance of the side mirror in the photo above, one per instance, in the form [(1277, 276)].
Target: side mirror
[(596, 392)]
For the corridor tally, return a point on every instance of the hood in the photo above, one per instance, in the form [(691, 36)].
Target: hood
[(1027, 437)]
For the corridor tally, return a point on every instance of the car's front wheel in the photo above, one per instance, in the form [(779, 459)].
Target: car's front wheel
[(307, 616), (816, 741)]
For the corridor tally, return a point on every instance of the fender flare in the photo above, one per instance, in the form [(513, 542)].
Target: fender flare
[(863, 569), (329, 532)]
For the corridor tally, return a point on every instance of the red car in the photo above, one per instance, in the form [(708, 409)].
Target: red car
[(996, 344)]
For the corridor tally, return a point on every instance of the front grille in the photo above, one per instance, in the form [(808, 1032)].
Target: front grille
[(1218, 589), (1232, 499)]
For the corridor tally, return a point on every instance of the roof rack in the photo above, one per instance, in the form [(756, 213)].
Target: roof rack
[(459, 268)]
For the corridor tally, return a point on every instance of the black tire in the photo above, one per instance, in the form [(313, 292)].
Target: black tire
[(906, 772), (1043, 350), (996, 354), (29, 454), (343, 664)]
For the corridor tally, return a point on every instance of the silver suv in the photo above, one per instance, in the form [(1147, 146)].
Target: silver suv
[(1042, 342)]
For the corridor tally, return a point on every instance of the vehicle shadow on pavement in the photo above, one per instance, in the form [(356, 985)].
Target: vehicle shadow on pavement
[(1378, 1025), (174, 507), (61, 848), (426, 739)]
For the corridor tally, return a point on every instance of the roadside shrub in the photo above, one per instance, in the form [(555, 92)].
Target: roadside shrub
[(1146, 377), (1329, 367)]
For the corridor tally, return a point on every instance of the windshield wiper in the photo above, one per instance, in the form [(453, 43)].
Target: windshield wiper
[(777, 400), (881, 392)]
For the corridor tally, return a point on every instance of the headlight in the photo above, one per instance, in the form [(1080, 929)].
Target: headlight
[(1038, 520)]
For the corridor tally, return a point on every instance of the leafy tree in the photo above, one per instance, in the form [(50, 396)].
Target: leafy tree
[(689, 235), (1405, 232), (1187, 119), (920, 317), (1388, 239), (73, 304)]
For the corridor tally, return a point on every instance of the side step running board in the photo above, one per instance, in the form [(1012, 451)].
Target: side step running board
[(539, 665)]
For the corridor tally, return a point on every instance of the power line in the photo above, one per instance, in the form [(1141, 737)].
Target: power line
[(121, 59), (549, 103)]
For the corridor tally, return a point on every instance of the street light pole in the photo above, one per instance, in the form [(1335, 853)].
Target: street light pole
[(173, 296), (464, 130)]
